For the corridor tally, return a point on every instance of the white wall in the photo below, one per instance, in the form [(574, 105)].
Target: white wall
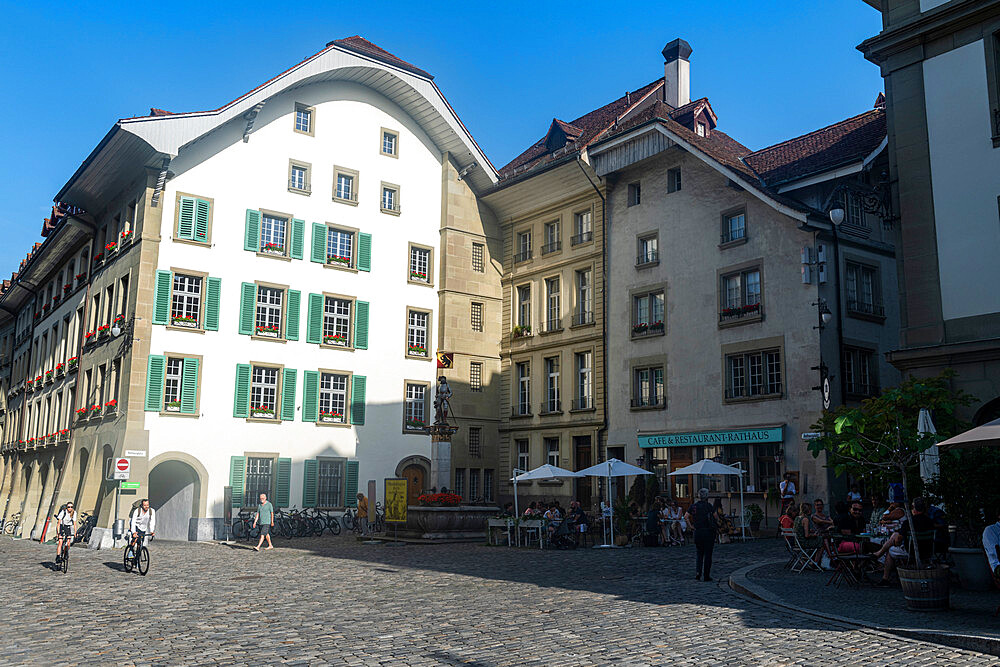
[(965, 176), (254, 175)]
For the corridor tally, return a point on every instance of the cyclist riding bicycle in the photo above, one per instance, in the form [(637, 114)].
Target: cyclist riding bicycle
[(143, 522), (66, 521)]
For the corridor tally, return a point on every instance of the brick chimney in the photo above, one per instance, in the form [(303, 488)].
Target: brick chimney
[(677, 73)]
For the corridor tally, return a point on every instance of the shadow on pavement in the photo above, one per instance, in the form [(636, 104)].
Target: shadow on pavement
[(115, 566)]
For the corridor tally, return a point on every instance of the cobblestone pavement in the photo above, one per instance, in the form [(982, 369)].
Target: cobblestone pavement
[(337, 601)]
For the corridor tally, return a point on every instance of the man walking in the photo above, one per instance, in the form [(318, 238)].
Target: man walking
[(265, 519), (363, 513), (700, 516)]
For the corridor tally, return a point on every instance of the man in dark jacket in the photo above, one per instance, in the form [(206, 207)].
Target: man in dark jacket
[(699, 516)]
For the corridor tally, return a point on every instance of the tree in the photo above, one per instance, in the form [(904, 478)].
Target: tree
[(881, 434)]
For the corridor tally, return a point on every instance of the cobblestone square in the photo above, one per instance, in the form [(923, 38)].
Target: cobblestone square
[(337, 601)]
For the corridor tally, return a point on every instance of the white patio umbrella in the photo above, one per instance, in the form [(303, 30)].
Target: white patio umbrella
[(541, 472), (930, 457), (987, 435), (611, 468), (710, 467)]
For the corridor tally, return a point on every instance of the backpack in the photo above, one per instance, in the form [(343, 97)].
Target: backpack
[(703, 516)]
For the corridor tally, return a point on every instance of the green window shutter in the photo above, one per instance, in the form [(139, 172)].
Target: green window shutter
[(292, 315), (310, 396), (288, 379), (284, 482), (361, 325), (310, 479), (248, 304), (318, 253), (364, 252), (189, 386), (298, 238), (155, 368), (241, 400), (161, 297), (213, 293), (237, 471), (201, 215), (314, 327), (251, 240), (185, 218), (351, 484), (358, 399)]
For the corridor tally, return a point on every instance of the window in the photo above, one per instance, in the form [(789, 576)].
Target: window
[(267, 322), (673, 180), (185, 301), (390, 143), (416, 333), (734, 227), (478, 257), (523, 455), (859, 366), (477, 316), (475, 442), (551, 385), (647, 314), (192, 221), (584, 380), (474, 483), (339, 247), (304, 121), (854, 212), (390, 198), (523, 403), (524, 308), (263, 392), (416, 407), (333, 398), (259, 479), (552, 451), (634, 194), (459, 482), (345, 185), (330, 483), (863, 294), (648, 253), (741, 295), (476, 376), (298, 177), (552, 241), (553, 321), (273, 233), (584, 298), (420, 264), (523, 252), (337, 321), (701, 130), (172, 385), (583, 230), (753, 374), (488, 485), (647, 387)]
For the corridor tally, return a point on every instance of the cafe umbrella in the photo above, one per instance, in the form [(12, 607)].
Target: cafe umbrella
[(546, 471), (608, 469), (710, 467)]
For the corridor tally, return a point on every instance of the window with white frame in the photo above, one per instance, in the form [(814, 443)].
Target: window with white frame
[(673, 179), (333, 398), (416, 333), (647, 386), (584, 380), (753, 374), (523, 252), (734, 226), (416, 405), (647, 313), (488, 485), (390, 198), (523, 455), (551, 384), (476, 376), (854, 212), (330, 483), (273, 233), (741, 293), (390, 142), (336, 321), (551, 236), (459, 482), (523, 403), (298, 177), (862, 289), (303, 119), (552, 451), (859, 373), (339, 247), (648, 251), (474, 483), (345, 186), (552, 305), (268, 319), (584, 297), (185, 301), (524, 307), (420, 264), (263, 392), (583, 227), (172, 385)]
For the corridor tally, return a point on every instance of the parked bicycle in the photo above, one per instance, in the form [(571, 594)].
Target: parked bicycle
[(136, 555), (86, 527), (376, 520), (243, 526), (11, 524)]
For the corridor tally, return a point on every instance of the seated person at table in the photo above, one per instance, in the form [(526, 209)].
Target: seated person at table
[(532, 510), (576, 516), (508, 509), (850, 524), (821, 522), (854, 494), (651, 536), (554, 517), (675, 516), (787, 520), (722, 521), (804, 530), (895, 549), (893, 514), (991, 544)]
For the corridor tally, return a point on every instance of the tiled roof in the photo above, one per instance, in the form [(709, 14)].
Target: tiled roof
[(590, 126), (153, 111), (359, 44), (830, 147)]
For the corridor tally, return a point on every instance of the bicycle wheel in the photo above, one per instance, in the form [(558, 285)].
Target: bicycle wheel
[(348, 521), (239, 529), (253, 532), (333, 524), (65, 559), (128, 560), (143, 561)]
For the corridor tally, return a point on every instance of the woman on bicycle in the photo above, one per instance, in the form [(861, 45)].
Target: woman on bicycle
[(143, 521), (66, 521)]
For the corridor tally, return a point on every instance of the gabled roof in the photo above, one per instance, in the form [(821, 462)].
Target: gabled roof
[(686, 114), (359, 44), (850, 140)]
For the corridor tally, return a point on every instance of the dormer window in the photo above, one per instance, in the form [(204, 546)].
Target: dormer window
[(701, 130)]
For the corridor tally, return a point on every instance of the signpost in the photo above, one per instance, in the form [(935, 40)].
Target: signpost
[(121, 469), (395, 503), (128, 485)]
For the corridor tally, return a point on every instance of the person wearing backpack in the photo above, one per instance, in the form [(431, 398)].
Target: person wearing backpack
[(700, 515)]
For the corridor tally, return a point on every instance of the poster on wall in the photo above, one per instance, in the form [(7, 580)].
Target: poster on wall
[(395, 500)]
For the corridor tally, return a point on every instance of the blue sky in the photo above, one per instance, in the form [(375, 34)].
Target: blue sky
[(772, 69)]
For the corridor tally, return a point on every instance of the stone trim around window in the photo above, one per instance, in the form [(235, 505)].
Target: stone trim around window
[(201, 301), (758, 345), (430, 265), (427, 406), (277, 394), (287, 217), (350, 323), (752, 317), (636, 363), (651, 332), (353, 268), (337, 171), (381, 201), (201, 374), (347, 398), (299, 106), (381, 142), (177, 212), (724, 240), (284, 312), (406, 333), (307, 186)]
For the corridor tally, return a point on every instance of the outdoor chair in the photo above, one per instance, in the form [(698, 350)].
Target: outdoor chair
[(806, 562), (788, 537), (741, 527)]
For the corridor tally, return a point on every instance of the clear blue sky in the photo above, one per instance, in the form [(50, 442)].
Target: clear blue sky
[(772, 69)]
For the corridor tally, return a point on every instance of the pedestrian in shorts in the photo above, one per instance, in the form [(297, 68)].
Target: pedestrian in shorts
[(265, 519)]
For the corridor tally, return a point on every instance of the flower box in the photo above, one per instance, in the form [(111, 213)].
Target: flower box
[(37, 315), (262, 412), (67, 288), (46, 307), (60, 369), (103, 331), (81, 413), (89, 337), (172, 406), (332, 418), (38, 381), (111, 406), (125, 237), (741, 311), (188, 322), (415, 425), (48, 376), (416, 350), (56, 298), (73, 364), (50, 438), (29, 386), (335, 340), (111, 248), (338, 260), (95, 410), (522, 331), (98, 258), (81, 276), (440, 499), (417, 275), (644, 328), (268, 332), (273, 249), (64, 434)]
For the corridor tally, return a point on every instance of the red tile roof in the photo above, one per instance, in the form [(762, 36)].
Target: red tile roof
[(359, 44), (842, 143), (153, 111)]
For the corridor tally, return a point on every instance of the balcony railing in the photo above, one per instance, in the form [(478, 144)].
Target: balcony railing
[(550, 407), (584, 403), (299, 186), (731, 313), (755, 392), (865, 308), (731, 235), (390, 207), (582, 237), (553, 325), (551, 247), (523, 256), (647, 402), (644, 329), (585, 317), (650, 257), (346, 195)]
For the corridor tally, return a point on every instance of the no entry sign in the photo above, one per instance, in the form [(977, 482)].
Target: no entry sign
[(122, 468)]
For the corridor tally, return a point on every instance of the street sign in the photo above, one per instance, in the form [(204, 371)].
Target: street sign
[(121, 468), (128, 485), (137, 453), (811, 435)]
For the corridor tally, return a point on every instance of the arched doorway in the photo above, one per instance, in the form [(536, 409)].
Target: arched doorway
[(175, 494), (416, 470)]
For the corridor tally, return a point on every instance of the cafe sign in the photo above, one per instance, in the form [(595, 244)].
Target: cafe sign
[(749, 436)]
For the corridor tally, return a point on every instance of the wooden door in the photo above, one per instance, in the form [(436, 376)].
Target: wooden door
[(414, 475), (682, 490)]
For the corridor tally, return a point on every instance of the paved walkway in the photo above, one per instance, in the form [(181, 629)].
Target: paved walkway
[(336, 601)]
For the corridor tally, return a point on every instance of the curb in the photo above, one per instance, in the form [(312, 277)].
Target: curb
[(740, 583)]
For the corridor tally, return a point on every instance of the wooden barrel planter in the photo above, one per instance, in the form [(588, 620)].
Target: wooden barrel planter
[(926, 590)]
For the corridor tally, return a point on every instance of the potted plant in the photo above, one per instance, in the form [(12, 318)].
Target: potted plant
[(331, 417), (111, 406), (111, 248), (273, 249), (335, 339), (268, 331), (172, 406), (756, 516), (125, 237), (81, 413), (521, 331), (416, 350), (261, 412), (882, 434), (103, 331), (420, 276), (60, 369), (338, 260), (73, 363), (184, 321), (621, 518)]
